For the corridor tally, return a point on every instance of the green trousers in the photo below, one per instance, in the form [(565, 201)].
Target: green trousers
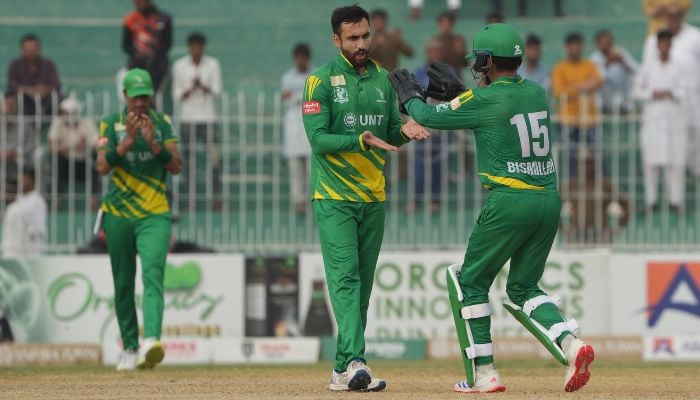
[(516, 225), (150, 237), (351, 235)]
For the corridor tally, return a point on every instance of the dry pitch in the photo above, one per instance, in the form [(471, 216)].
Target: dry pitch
[(406, 380)]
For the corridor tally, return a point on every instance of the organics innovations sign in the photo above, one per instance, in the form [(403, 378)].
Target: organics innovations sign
[(71, 299), (409, 299)]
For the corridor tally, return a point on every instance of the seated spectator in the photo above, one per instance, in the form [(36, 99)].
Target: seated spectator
[(531, 68), (24, 227), (71, 141), (387, 45), (33, 77), (617, 68), (575, 83), (196, 86), (416, 6), (146, 39)]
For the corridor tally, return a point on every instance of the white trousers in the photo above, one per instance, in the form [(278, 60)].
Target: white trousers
[(451, 4), (675, 178), (298, 178)]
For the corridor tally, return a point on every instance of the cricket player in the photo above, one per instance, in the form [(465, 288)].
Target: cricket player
[(510, 120), (138, 147), (351, 119)]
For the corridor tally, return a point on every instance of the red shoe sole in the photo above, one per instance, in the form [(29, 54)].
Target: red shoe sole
[(584, 358)]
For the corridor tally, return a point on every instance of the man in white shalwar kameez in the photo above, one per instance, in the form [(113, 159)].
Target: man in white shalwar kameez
[(662, 87)]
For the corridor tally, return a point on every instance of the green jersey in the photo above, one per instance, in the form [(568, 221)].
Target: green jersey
[(510, 119), (137, 185), (339, 105)]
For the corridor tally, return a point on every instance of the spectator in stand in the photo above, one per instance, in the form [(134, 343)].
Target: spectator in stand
[(531, 68), (686, 50), (296, 146), (416, 6), (33, 77), (662, 85), (20, 140), (387, 45), (656, 11), (429, 156), (522, 7), (146, 39), (71, 141), (196, 85), (575, 83), (454, 46), (24, 227), (494, 17), (617, 68)]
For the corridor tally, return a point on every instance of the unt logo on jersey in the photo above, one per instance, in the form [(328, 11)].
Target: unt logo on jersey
[(672, 287)]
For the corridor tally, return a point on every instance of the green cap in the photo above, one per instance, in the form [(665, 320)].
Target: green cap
[(500, 40), (137, 82)]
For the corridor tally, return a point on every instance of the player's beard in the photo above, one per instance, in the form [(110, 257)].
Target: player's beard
[(358, 58)]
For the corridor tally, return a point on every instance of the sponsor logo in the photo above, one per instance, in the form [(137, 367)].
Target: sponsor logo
[(672, 287), (371, 119), (532, 168), (350, 120), (247, 348), (337, 80), (340, 95), (311, 107), (442, 107), (517, 51), (663, 344), (380, 93), (455, 103), (118, 126)]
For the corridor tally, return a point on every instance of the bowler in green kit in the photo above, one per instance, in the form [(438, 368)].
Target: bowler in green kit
[(510, 119), (138, 148), (351, 119)]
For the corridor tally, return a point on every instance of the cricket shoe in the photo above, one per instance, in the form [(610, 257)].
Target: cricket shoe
[(487, 381), (579, 356), (151, 353), (127, 361), (340, 382)]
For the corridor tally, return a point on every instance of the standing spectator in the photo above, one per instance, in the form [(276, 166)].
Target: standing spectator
[(454, 46), (24, 224), (429, 154), (416, 6), (386, 45), (522, 8), (686, 50), (296, 146), (531, 68), (33, 77), (575, 82), (656, 11), (20, 140), (617, 67), (72, 139), (146, 39), (196, 85), (661, 85)]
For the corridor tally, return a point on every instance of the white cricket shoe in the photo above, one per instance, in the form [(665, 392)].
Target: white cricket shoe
[(579, 356), (127, 361), (341, 383), (487, 381), (151, 353)]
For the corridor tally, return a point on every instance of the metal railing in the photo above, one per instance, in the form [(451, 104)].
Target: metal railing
[(234, 194)]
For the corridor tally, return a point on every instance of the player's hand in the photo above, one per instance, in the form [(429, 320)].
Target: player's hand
[(132, 126), (407, 87), (413, 130), (370, 140), (443, 83), (147, 130)]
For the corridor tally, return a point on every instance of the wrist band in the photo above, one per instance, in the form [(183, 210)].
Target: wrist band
[(363, 145), (113, 158), (164, 156), (403, 134)]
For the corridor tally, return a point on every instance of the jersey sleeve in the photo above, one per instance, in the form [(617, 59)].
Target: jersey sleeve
[(460, 113), (316, 111), (396, 138), (107, 139), (168, 131)]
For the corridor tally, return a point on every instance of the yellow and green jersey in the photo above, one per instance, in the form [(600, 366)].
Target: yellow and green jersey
[(510, 119), (339, 105), (137, 185)]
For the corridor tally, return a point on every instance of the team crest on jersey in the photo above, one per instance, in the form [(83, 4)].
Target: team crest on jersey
[(337, 80), (340, 94), (121, 135), (350, 121), (380, 93), (442, 107)]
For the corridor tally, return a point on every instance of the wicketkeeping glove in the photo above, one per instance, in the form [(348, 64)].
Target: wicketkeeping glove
[(443, 83), (407, 87)]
